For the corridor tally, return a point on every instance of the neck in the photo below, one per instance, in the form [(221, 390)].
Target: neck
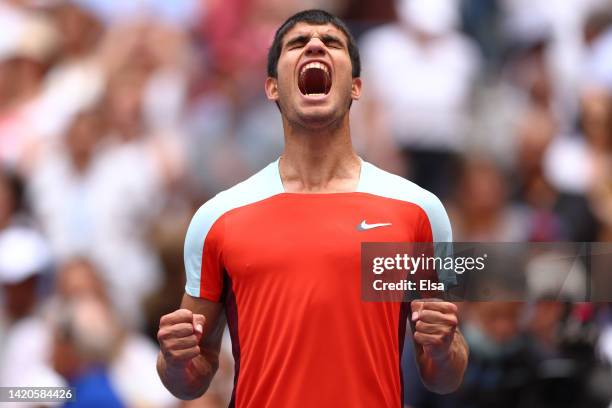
[(319, 160)]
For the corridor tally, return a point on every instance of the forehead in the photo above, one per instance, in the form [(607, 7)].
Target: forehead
[(314, 30)]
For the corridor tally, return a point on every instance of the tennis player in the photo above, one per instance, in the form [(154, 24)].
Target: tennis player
[(278, 256)]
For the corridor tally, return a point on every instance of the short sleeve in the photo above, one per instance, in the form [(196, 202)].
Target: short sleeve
[(203, 254), (441, 235), (439, 221)]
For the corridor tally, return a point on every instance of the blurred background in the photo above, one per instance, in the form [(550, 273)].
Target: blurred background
[(119, 118)]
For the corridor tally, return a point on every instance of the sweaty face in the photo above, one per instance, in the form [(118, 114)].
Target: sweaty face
[(314, 86)]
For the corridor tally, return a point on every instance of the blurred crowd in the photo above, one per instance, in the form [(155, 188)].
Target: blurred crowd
[(119, 118)]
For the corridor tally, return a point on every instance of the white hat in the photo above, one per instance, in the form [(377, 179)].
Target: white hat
[(23, 253), (434, 17)]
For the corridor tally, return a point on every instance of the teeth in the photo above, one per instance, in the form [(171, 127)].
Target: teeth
[(315, 94), (314, 65)]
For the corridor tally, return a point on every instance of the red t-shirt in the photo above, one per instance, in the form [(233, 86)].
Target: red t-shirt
[(287, 268)]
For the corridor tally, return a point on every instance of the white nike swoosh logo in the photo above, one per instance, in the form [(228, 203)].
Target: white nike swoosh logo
[(364, 226)]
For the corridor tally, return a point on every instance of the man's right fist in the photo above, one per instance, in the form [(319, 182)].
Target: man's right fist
[(179, 336)]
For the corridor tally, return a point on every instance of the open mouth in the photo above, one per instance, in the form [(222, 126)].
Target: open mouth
[(315, 79)]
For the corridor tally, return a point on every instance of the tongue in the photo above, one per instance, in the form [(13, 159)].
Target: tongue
[(314, 81)]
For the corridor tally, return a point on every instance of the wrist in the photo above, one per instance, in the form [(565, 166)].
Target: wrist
[(441, 356), (171, 369)]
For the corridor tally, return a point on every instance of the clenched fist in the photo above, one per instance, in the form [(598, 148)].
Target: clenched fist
[(179, 336), (435, 322)]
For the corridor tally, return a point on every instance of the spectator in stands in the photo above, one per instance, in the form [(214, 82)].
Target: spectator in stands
[(422, 71), (25, 261), (84, 338)]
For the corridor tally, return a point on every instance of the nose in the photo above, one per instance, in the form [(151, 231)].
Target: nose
[(315, 47)]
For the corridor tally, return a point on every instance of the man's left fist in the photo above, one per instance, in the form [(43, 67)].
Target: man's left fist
[(435, 324)]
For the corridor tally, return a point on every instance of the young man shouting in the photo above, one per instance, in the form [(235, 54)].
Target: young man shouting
[(279, 254)]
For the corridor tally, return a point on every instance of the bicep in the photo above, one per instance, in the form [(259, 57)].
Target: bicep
[(214, 325)]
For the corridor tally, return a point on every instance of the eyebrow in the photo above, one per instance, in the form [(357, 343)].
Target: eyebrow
[(303, 39)]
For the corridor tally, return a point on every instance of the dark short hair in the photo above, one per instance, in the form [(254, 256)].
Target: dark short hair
[(315, 17)]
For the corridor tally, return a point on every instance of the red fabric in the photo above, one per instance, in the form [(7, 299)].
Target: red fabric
[(305, 337)]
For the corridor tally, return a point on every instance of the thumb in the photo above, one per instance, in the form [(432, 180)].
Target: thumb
[(198, 324)]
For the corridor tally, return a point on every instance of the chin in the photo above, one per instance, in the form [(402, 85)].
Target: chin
[(318, 118)]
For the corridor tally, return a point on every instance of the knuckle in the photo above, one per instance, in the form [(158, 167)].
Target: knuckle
[(184, 314), (176, 355), (173, 354), (186, 329), (162, 334), (167, 333), (187, 342), (164, 319), (189, 354), (177, 331)]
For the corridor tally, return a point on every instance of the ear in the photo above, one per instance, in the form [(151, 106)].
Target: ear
[(271, 87), (356, 89)]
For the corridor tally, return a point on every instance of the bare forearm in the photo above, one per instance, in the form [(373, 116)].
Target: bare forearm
[(188, 382), (444, 375)]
